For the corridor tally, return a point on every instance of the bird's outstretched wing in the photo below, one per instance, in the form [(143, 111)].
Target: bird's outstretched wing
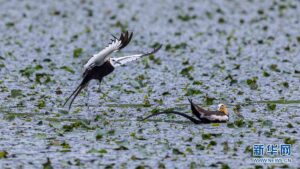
[(115, 45), (126, 59)]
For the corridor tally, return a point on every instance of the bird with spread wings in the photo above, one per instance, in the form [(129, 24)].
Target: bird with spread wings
[(102, 64)]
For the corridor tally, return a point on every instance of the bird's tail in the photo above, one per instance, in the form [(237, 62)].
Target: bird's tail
[(177, 113), (194, 110), (75, 93)]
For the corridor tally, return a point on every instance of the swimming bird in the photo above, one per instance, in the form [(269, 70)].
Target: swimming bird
[(102, 64), (202, 115)]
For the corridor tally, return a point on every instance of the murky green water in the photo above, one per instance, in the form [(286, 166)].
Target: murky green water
[(244, 54)]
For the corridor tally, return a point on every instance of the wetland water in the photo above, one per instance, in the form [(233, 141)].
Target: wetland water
[(244, 54)]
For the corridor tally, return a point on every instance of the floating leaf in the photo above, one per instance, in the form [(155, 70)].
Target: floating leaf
[(65, 145), (192, 91), (68, 69), (197, 83), (177, 152), (267, 123), (41, 103), (155, 60), (221, 20), (239, 123), (77, 124), (77, 52), (225, 166), (9, 117), (215, 124), (252, 83), (15, 93), (10, 24), (28, 71), (186, 71), (266, 74), (209, 100), (99, 136), (285, 84), (3, 154), (212, 143), (200, 147), (43, 78), (206, 136), (186, 17), (102, 151), (171, 48), (289, 141), (274, 68), (230, 125), (271, 106), (290, 125)]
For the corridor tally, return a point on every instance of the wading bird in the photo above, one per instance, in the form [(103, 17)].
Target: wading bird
[(102, 64), (203, 116)]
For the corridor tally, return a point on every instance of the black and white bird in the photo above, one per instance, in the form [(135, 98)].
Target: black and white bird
[(102, 64), (203, 116)]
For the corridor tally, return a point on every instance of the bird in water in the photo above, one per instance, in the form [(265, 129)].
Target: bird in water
[(202, 115), (102, 64)]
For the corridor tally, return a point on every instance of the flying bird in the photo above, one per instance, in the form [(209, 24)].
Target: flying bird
[(202, 115), (102, 64)]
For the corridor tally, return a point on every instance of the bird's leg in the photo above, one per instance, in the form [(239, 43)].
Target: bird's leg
[(104, 94), (100, 87), (87, 100)]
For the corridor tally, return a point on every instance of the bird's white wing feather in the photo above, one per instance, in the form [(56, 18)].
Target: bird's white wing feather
[(126, 59), (123, 60), (101, 57), (116, 44)]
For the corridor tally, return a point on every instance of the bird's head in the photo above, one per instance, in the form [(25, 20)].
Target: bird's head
[(222, 108)]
